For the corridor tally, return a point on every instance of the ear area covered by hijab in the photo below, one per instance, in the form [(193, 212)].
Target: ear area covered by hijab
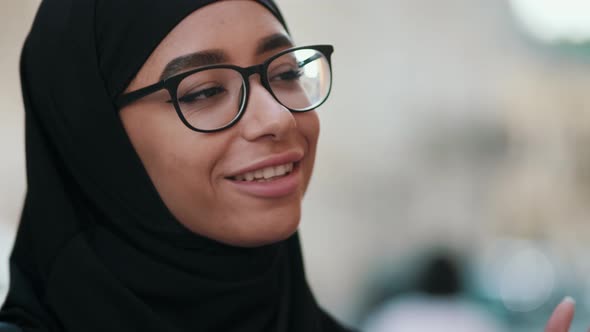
[(96, 249)]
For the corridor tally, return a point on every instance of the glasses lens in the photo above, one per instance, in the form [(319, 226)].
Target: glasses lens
[(212, 98), (300, 79)]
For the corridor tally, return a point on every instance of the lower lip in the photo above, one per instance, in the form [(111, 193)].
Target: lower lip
[(283, 186)]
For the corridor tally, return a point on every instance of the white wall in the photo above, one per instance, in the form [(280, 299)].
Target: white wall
[(15, 19)]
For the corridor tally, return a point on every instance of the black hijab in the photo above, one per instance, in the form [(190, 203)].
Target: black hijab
[(96, 249)]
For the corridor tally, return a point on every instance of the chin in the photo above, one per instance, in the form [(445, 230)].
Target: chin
[(245, 225), (266, 236), (263, 231)]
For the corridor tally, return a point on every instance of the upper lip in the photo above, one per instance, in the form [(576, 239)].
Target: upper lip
[(274, 160)]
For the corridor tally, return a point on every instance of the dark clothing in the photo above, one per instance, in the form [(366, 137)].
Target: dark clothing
[(97, 250), (9, 328)]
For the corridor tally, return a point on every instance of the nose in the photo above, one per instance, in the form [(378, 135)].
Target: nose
[(264, 117)]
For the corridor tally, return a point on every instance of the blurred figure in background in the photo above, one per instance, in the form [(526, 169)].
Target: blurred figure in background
[(434, 303)]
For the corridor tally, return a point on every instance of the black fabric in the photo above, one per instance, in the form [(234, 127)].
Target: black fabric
[(96, 249), (5, 327)]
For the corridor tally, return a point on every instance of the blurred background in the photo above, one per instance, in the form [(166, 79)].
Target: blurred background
[(452, 186)]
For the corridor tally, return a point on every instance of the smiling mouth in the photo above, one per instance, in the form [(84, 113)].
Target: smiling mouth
[(266, 174)]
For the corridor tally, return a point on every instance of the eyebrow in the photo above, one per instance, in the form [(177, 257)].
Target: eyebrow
[(216, 56), (272, 43), (193, 60)]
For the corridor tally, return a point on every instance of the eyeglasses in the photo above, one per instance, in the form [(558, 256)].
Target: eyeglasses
[(213, 98)]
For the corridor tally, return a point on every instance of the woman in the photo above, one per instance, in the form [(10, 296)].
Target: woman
[(169, 145)]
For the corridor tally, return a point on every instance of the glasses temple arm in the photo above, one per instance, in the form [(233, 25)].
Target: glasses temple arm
[(130, 97), (308, 60)]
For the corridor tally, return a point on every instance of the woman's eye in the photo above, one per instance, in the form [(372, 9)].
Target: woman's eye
[(289, 75), (195, 96)]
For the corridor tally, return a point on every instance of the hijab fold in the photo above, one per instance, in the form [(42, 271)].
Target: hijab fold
[(96, 249)]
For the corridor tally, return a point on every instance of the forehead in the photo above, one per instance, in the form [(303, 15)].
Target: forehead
[(234, 26)]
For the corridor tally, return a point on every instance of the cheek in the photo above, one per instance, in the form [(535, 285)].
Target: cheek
[(178, 160), (309, 127), (308, 124), (152, 131)]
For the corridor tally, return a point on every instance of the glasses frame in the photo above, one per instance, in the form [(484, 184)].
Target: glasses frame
[(171, 84)]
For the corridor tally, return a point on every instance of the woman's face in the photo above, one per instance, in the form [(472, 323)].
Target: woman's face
[(195, 173)]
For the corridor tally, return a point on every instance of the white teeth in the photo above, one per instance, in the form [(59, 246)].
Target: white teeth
[(269, 172), (249, 176), (266, 173)]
